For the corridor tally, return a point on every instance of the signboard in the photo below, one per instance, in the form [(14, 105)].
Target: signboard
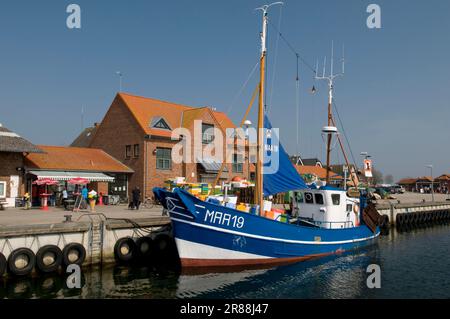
[(368, 168)]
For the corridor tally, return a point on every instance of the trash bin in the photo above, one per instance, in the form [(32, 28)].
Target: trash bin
[(105, 199)]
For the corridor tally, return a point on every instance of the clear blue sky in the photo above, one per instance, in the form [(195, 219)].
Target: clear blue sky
[(393, 99)]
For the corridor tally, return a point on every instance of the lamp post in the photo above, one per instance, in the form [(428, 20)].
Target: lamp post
[(120, 80), (432, 181), (247, 124)]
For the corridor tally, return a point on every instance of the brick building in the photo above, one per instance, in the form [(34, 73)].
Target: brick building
[(137, 131), (13, 150)]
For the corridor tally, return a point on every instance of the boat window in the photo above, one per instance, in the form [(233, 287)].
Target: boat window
[(349, 207), (299, 197), (309, 198), (319, 199), (336, 198)]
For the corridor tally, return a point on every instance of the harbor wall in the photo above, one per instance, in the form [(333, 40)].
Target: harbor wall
[(392, 210), (98, 236)]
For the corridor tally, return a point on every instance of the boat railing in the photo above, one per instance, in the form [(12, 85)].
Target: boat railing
[(323, 224)]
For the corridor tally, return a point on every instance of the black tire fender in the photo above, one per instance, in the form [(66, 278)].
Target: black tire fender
[(3, 264), (79, 249), (144, 247), (57, 259), (48, 286), (12, 258), (125, 249)]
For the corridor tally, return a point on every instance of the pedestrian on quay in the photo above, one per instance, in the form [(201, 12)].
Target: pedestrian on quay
[(27, 200), (136, 193), (65, 197), (84, 197)]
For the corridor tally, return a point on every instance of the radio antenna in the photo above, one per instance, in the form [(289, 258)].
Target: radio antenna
[(330, 129)]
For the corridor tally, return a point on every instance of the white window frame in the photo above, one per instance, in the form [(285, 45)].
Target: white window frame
[(4, 187)]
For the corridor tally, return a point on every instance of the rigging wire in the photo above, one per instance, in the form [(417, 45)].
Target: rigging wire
[(275, 58), (241, 89), (343, 132), (291, 47)]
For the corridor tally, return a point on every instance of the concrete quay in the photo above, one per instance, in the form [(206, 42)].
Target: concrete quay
[(414, 208), (98, 233)]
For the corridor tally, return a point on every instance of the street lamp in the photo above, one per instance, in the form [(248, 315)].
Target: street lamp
[(120, 80), (432, 181), (247, 124)]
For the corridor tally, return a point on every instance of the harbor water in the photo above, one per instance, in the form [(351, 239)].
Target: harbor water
[(414, 264)]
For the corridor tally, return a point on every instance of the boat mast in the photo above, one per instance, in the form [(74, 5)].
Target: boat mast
[(330, 129), (259, 193)]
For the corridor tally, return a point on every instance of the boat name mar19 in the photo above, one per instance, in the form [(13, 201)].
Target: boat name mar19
[(224, 219)]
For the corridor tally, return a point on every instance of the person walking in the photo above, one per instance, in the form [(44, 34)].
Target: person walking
[(27, 200), (84, 197), (65, 197), (136, 193)]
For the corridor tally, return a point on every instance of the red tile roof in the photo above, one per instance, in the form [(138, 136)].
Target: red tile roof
[(176, 115), (75, 159), (318, 171)]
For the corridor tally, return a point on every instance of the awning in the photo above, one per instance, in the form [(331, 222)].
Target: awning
[(65, 176), (210, 165)]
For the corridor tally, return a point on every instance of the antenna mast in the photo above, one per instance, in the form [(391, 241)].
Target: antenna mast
[(259, 193), (330, 129)]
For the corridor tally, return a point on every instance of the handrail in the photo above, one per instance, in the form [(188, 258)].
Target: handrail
[(347, 224)]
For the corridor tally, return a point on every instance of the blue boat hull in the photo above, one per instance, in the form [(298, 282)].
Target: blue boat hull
[(209, 235)]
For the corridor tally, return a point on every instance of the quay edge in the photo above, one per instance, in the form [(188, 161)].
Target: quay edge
[(393, 209), (98, 236)]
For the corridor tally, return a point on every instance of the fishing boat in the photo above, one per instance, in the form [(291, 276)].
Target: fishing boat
[(325, 220)]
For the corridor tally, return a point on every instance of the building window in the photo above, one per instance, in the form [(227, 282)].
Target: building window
[(163, 158), (319, 199), (207, 133), (160, 123), (136, 150), (2, 189), (128, 151), (238, 165)]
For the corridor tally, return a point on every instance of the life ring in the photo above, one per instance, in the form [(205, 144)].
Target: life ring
[(21, 262), (73, 253), (308, 197), (49, 258), (2, 264), (144, 248), (125, 249)]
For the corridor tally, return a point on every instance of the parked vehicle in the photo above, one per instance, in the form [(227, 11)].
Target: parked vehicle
[(397, 189)]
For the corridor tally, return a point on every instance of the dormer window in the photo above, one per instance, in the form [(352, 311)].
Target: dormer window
[(160, 123)]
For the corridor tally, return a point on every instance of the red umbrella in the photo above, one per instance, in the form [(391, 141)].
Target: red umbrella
[(79, 181)]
